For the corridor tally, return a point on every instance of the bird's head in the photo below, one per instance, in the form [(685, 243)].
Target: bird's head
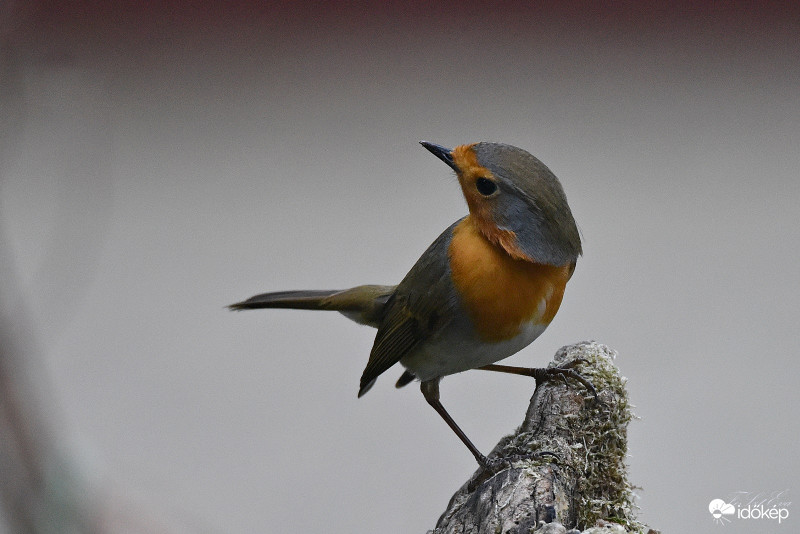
[(515, 200)]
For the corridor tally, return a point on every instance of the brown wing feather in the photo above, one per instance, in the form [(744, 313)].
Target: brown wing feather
[(400, 335), (421, 305)]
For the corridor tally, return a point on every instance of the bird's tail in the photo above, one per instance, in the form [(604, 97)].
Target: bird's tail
[(362, 304)]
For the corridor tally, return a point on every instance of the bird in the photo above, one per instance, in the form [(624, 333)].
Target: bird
[(487, 287)]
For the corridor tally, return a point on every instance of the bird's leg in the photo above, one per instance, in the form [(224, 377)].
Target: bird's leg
[(430, 390), (542, 374)]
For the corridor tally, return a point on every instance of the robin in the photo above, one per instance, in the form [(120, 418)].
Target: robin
[(487, 286)]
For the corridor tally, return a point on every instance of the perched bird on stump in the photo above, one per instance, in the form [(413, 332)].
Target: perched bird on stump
[(487, 286)]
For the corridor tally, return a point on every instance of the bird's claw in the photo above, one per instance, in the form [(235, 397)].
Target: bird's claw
[(567, 371), (497, 463), (494, 465)]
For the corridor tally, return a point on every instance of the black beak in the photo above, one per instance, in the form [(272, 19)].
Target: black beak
[(444, 154)]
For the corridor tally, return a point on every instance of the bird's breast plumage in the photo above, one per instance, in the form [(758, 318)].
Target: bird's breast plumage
[(503, 296)]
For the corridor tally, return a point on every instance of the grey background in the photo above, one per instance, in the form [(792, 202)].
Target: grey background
[(170, 161)]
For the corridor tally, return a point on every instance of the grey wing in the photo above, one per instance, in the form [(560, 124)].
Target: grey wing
[(421, 305)]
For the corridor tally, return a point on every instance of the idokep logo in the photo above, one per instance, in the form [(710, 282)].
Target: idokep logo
[(746, 505)]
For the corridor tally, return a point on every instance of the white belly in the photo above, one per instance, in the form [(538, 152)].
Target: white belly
[(455, 353)]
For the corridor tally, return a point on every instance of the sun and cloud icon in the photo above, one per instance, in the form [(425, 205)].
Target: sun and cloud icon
[(719, 509)]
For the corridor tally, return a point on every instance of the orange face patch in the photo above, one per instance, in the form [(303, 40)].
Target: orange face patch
[(502, 293), (480, 207)]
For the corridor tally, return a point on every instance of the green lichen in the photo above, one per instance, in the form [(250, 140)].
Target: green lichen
[(592, 441), (604, 492)]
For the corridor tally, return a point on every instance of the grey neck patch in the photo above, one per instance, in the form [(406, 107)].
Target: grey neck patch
[(532, 204)]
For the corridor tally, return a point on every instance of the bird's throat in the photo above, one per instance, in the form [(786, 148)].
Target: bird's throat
[(500, 292)]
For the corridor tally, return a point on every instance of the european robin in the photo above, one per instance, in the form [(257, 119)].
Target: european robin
[(487, 286)]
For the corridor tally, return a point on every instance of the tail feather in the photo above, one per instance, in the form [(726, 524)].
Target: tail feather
[(297, 300), (406, 378), (362, 304)]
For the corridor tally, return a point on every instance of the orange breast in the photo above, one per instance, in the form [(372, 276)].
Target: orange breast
[(501, 293)]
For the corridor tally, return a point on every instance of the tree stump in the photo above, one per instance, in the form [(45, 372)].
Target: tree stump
[(566, 467)]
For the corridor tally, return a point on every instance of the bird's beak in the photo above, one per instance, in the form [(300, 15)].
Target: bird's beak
[(444, 154)]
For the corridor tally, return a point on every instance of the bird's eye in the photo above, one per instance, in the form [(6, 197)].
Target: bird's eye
[(485, 186)]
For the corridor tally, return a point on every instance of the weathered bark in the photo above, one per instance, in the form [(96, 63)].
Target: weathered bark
[(581, 480)]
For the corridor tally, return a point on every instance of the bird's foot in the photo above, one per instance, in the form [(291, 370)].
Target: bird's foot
[(504, 462), (494, 465), (543, 374)]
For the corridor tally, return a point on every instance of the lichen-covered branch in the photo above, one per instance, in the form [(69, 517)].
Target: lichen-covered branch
[(567, 460)]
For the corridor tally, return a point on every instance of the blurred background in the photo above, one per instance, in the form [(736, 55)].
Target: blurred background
[(159, 162)]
